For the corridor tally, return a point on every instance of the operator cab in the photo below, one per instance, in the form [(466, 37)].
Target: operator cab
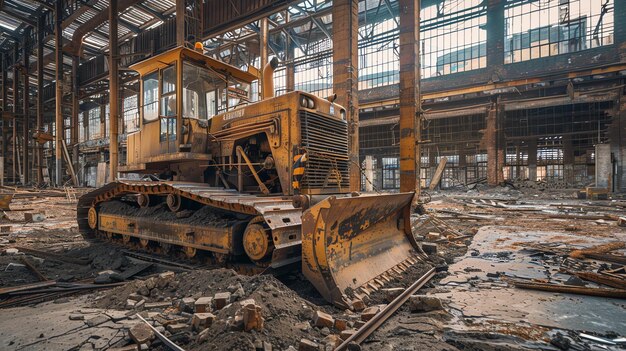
[(181, 80)]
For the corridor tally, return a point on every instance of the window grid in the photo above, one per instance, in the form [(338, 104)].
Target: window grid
[(450, 44), (548, 28)]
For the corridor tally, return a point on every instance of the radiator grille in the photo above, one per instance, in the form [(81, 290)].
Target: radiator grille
[(326, 141)]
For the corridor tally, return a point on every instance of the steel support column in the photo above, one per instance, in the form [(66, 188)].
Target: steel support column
[(5, 129), (410, 99), (263, 38), (114, 90), (40, 73), (290, 72), (26, 109), (16, 80), (180, 22), (345, 76), (58, 125)]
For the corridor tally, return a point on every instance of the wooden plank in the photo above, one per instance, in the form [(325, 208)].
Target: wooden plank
[(438, 173), (25, 287), (70, 166)]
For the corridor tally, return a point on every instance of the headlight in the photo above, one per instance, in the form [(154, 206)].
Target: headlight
[(307, 102)]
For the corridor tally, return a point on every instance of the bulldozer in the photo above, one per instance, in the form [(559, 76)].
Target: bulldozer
[(213, 172)]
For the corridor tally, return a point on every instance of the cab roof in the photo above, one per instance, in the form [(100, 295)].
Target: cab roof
[(167, 58)]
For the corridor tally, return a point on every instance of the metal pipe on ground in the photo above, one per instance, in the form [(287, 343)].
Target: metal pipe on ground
[(368, 328)]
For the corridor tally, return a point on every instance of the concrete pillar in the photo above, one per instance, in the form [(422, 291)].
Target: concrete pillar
[(462, 165), (617, 137), (410, 100), (604, 166), (345, 76), (39, 121), (369, 173), (490, 138), (532, 159), (568, 159), (58, 133), (26, 109), (114, 90)]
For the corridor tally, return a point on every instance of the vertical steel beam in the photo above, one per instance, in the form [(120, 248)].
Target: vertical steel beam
[(40, 73), (58, 125), (180, 41), (74, 120), (290, 73), (114, 90), (495, 34), (263, 38), (620, 26), (345, 76), (410, 99), (5, 129), (16, 79), (180, 22), (26, 108)]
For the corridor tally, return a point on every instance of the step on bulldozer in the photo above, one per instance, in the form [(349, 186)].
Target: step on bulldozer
[(259, 182)]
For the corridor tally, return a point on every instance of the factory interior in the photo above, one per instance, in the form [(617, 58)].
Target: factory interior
[(313, 175)]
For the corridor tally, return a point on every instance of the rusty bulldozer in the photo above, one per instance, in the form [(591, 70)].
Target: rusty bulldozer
[(258, 183)]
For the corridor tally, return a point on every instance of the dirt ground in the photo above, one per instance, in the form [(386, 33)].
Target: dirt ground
[(489, 239)]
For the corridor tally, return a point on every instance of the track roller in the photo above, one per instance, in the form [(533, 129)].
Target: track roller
[(174, 202), (189, 251), (256, 240), (143, 200), (92, 218)]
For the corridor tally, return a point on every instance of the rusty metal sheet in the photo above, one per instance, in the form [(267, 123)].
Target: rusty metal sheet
[(5, 201), (348, 242)]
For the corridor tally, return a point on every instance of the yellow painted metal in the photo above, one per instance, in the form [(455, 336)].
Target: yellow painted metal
[(5, 200), (92, 218), (217, 239), (349, 241), (164, 59), (256, 242)]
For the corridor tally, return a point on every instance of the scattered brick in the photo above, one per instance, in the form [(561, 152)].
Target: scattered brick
[(221, 300), (344, 335), (203, 320), (369, 312), (307, 345), (321, 319), (204, 304), (252, 319), (341, 324), (358, 305)]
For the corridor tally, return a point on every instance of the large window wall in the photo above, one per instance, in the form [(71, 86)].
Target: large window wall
[(536, 29)]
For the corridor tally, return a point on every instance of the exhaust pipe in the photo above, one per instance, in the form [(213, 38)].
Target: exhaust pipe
[(268, 79)]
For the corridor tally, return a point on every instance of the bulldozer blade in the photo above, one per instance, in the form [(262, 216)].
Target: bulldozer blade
[(348, 242), (5, 200)]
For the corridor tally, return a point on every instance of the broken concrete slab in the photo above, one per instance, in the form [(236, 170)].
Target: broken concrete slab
[(423, 303), (141, 333)]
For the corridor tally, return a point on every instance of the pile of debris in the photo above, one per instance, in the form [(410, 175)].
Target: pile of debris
[(221, 310)]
